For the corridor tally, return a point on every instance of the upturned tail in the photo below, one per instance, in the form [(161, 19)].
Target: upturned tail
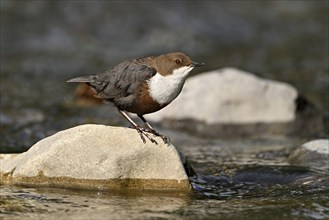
[(85, 79)]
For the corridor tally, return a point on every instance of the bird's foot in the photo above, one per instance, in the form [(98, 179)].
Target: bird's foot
[(165, 139), (143, 132)]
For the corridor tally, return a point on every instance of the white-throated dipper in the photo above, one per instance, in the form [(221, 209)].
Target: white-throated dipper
[(142, 86)]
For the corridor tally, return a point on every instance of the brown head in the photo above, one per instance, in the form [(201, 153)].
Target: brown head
[(167, 63)]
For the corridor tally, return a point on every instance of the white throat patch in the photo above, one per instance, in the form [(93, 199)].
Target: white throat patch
[(164, 89)]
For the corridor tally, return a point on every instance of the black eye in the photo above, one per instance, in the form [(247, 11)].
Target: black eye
[(178, 61)]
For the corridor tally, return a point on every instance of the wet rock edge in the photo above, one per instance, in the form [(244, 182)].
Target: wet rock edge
[(93, 184)]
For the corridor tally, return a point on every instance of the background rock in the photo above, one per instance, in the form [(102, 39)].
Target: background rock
[(232, 96), (97, 156), (313, 153)]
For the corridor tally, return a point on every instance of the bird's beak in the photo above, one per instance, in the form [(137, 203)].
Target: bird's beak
[(195, 64)]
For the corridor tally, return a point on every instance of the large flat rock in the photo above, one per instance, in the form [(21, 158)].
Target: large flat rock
[(232, 96), (97, 156)]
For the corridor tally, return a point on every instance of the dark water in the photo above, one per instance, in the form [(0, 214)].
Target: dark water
[(247, 201), (44, 43)]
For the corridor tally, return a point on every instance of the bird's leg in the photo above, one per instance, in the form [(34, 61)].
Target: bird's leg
[(152, 130), (139, 129)]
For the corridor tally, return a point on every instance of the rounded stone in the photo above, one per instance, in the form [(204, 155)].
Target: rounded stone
[(97, 156), (313, 153), (231, 96)]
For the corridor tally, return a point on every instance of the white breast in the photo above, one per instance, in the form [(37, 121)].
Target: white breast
[(164, 89)]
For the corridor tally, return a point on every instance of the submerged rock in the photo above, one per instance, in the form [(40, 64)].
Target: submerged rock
[(283, 175), (97, 157), (313, 153), (232, 102)]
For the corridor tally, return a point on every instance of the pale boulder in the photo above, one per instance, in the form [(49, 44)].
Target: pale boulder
[(97, 156), (231, 96)]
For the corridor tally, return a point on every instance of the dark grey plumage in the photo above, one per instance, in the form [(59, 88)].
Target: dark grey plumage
[(119, 84)]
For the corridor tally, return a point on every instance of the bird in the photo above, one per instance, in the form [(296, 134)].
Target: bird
[(142, 86)]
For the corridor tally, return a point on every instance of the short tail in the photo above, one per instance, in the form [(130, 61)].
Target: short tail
[(85, 79)]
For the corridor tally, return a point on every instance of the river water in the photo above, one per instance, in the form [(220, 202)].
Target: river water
[(44, 43), (235, 179)]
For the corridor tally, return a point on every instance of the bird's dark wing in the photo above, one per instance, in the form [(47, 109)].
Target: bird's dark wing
[(122, 80)]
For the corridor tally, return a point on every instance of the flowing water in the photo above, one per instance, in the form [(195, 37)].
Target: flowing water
[(233, 201)]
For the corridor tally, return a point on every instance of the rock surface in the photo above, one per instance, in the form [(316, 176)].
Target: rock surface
[(97, 156), (313, 153), (232, 96)]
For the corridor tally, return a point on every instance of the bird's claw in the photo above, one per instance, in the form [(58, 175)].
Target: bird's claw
[(142, 132), (165, 139), (145, 132)]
